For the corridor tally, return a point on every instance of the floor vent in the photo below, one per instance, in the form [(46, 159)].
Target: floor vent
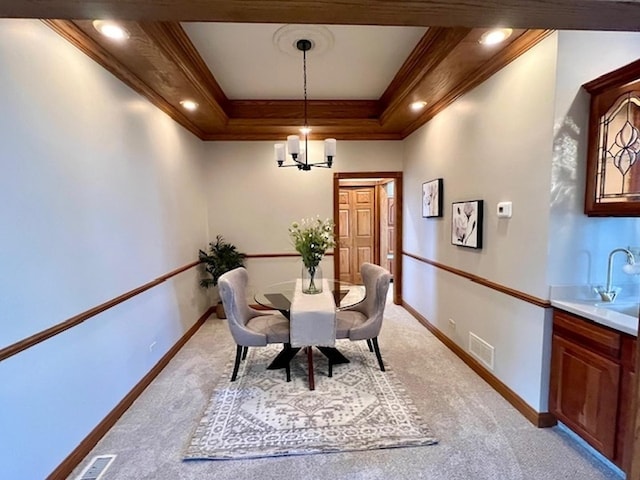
[(481, 350), (97, 467)]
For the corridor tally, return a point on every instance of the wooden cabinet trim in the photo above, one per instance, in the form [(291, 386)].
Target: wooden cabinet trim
[(622, 457), (598, 338), (628, 352)]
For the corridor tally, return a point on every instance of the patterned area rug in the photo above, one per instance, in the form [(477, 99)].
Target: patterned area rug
[(261, 415)]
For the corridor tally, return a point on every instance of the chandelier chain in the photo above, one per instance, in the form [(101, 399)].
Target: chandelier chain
[(304, 73), (299, 153)]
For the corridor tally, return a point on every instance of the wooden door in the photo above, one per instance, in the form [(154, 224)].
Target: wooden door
[(584, 393), (391, 233), (387, 229), (357, 226)]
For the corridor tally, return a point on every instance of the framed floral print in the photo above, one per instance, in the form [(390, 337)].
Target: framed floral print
[(432, 198), (466, 223)]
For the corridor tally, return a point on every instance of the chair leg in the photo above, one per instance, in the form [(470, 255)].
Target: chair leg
[(244, 352), (330, 368), (369, 345), (237, 364), (374, 340), (287, 369)]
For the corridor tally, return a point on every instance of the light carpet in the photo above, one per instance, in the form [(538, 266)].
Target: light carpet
[(263, 415)]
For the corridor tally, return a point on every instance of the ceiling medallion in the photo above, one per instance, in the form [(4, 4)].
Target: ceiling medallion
[(285, 39)]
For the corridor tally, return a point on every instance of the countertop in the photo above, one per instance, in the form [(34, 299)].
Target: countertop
[(604, 316)]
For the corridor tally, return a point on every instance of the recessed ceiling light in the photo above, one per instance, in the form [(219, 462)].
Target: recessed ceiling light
[(417, 106), (110, 29), (305, 130), (189, 105), (495, 36)]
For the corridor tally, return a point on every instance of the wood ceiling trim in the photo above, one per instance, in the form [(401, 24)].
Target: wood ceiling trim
[(294, 109), (173, 40), (432, 48), (77, 37), (167, 47), (520, 45), (281, 136), (287, 123), (559, 14)]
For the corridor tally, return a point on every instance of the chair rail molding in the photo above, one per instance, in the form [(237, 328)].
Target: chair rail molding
[(76, 320)]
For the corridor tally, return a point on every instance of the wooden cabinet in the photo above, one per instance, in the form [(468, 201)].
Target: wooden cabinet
[(591, 381), (613, 169), (584, 393)]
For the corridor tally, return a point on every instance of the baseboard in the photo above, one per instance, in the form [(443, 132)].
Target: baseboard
[(542, 419), (546, 420), (83, 449)]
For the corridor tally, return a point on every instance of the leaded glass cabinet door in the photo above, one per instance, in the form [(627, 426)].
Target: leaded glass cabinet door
[(613, 166)]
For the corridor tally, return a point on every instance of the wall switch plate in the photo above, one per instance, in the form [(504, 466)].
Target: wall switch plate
[(504, 210)]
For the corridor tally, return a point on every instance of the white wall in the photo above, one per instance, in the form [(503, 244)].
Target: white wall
[(494, 144), (520, 136), (252, 202), (100, 192), (579, 245)]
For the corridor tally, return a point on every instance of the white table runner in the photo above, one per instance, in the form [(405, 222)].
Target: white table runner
[(313, 317)]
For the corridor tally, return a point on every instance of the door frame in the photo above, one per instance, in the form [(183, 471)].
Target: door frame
[(397, 256)]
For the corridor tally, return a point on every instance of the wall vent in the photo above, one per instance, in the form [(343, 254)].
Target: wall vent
[(97, 467), (481, 350)]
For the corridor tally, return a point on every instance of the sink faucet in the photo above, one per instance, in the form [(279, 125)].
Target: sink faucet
[(609, 293)]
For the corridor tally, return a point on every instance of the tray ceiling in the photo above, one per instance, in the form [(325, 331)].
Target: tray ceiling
[(359, 88), (248, 64)]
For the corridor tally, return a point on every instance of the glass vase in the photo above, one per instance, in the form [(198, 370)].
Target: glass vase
[(311, 280)]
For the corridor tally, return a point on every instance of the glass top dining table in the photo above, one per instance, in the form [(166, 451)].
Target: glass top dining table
[(278, 296)]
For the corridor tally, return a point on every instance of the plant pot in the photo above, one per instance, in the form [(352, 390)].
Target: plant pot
[(220, 311)]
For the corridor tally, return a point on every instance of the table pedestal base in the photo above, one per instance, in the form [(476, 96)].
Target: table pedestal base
[(288, 352)]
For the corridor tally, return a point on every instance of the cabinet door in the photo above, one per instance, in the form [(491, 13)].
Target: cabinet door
[(584, 393)]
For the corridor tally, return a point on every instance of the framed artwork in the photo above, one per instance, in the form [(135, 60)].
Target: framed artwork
[(466, 223), (432, 198)]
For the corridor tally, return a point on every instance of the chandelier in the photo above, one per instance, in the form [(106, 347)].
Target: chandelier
[(298, 154)]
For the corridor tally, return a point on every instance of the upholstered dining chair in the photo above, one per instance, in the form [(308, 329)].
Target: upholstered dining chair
[(364, 320), (249, 327)]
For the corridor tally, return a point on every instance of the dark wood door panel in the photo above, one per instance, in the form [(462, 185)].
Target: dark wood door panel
[(584, 393)]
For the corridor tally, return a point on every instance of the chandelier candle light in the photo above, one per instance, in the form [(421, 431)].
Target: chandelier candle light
[(298, 155)]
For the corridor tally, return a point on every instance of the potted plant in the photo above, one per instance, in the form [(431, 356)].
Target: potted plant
[(221, 258)]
